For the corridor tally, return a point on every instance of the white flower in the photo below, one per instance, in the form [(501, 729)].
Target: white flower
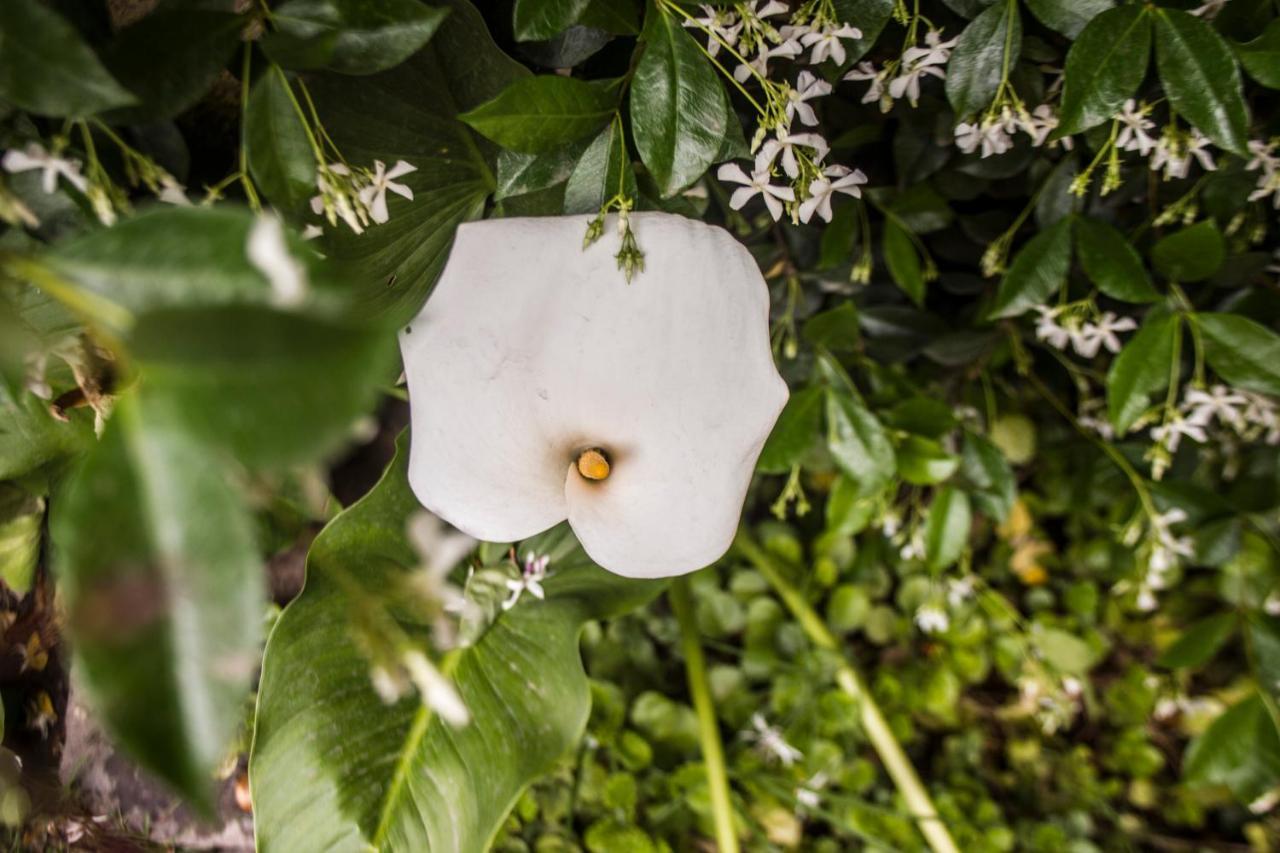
[(784, 144), (771, 742), (1134, 125), (767, 9), (826, 43), (1101, 333), (960, 590), (268, 252), (1270, 799), (1269, 164), (437, 692), (1040, 123), (935, 52), (724, 26), (1175, 151), (1170, 434), (34, 156), (338, 202), (807, 795), (530, 580), (992, 135), (374, 195), (753, 185), (807, 88), (439, 548), (1049, 330), (531, 351), (172, 192), (1220, 402), (876, 91), (932, 619), (311, 231), (760, 63), (1146, 600), (820, 191)]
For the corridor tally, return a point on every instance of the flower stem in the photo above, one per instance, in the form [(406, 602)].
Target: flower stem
[(708, 731), (873, 723)]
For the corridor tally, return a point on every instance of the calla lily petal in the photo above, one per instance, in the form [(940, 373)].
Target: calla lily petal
[(532, 350)]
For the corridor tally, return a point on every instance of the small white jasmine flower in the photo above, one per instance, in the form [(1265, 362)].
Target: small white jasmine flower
[(991, 135), (770, 740), (1134, 125), (807, 795), (1272, 605), (1146, 600), (1040, 123), (826, 43), (34, 156), (960, 590), (1220, 402), (267, 251), (1270, 799), (1102, 333), (913, 548), (311, 232), (437, 692), (1269, 165), (761, 9), (932, 619), (935, 52), (374, 195), (759, 64), (1175, 150), (530, 581), (785, 144), (335, 201), (172, 192), (890, 522), (753, 185), (836, 179), (1049, 330), (807, 88), (723, 24), (1170, 434)]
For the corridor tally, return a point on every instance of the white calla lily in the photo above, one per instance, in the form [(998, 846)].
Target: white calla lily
[(543, 386)]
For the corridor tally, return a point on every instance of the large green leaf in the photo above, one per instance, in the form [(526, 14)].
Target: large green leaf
[(30, 437), (986, 53), (1242, 351), (1240, 749), (536, 20), (858, 442), (1261, 56), (350, 36), (1104, 67), (1037, 271), (410, 113), (1192, 254), (603, 171), (1201, 78), (794, 433), (46, 68), (1141, 369), (280, 155), (989, 477), (1200, 642), (1068, 17), (903, 262), (333, 768), (1112, 263), (679, 110), (165, 592), (544, 112), (946, 530), (520, 173)]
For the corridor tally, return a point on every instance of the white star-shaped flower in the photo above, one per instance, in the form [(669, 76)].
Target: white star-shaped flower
[(827, 43), (753, 185), (374, 195), (807, 88), (836, 179), (34, 156)]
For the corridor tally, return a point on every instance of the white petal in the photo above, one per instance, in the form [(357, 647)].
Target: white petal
[(267, 251)]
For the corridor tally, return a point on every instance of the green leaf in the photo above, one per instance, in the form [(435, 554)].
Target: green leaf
[(539, 113), (870, 17), (987, 472), (618, 17), (1201, 78), (1261, 56), (350, 36), (46, 68), (923, 462), (1264, 639), (988, 49), (170, 59), (1199, 642), (334, 768), (836, 329), (164, 586), (1192, 254), (903, 262), (1037, 271), (1240, 749), (794, 433), (1141, 369), (946, 530), (520, 173), (1068, 17), (603, 171), (536, 20), (1244, 353), (1104, 68), (1066, 653), (1112, 263), (31, 438), (858, 443), (409, 112), (280, 155), (21, 535), (679, 110)]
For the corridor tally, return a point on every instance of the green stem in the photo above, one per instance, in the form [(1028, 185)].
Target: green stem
[(878, 732), (708, 731)]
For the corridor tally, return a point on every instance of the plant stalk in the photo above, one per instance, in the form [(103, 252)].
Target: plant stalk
[(886, 745), (695, 666)]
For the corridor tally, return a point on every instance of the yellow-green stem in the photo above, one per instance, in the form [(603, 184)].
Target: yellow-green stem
[(878, 732), (695, 666)]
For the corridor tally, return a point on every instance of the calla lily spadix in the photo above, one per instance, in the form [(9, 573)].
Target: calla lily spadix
[(543, 386)]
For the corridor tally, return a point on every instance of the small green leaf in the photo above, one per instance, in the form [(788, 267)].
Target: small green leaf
[(1261, 57), (858, 443), (1199, 642), (794, 433), (1068, 17), (1066, 653), (1104, 68), (988, 475), (539, 113), (1037, 271), (21, 535), (349, 36), (1264, 640), (31, 438), (946, 530), (1201, 78), (603, 171), (836, 329), (923, 462), (1141, 369), (1112, 263), (988, 49), (903, 262), (520, 173), (280, 155), (1243, 352), (537, 20), (47, 69), (1240, 749), (679, 110), (1192, 254)]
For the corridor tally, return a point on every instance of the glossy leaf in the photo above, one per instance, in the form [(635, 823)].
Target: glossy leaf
[(280, 156), (1264, 642), (858, 443), (535, 20), (679, 110), (903, 262), (1192, 254), (924, 462), (794, 433), (350, 36), (1141, 369), (1200, 642), (164, 587), (1243, 352), (1201, 78), (1261, 56), (1112, 263), (989, 477), (619, 17), (45, 66), (603, 171), (946, 529), (1104, 67), (988, 49), (519, 173), (1068, 17), (334, 768), (1240, 749), (1037, 271), (539, 113)]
